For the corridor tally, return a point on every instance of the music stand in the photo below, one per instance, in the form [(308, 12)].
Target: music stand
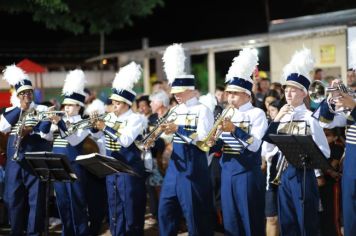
[(50, 167), (302, 152)]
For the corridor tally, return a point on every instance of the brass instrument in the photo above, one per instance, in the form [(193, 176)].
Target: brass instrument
[(85, 123), (283, 163), (281, 166), (155, 133), (318, 91), (44, 115), (19, 136), (214, 133), (30, 115)]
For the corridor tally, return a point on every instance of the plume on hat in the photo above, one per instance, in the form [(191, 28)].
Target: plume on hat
[(301, 63), (353, 54), (14, 75), (243, 65), (174, 59), (14, 100), (127, 77), (208, 100), (74, 83), (96, 106)]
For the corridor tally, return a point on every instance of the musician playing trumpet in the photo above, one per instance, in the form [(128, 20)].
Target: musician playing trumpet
[(71, 196), (330, 120), (186, 187), (242, 181), (294, 118)]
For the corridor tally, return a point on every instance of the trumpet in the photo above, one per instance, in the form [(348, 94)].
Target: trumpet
[(318, 91), (214, 133), (155, 133), (85, 123), (44, 115)]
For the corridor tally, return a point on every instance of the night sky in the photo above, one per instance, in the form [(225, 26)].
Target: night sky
[(176, 21)]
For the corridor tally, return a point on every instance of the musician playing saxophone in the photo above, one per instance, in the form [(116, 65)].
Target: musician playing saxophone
[(294, 118), (242, 181), (24, 193)]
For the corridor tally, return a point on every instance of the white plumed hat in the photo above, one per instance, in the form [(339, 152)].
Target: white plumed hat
[(208, 100), (73, 88), (96, 106), (124, 82), (174, 67), (16, 77), (296, 73), (238, 78)]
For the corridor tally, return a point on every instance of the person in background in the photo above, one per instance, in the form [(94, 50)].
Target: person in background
[(330, 191), (214, 163), (270, 97), (270, 157), (351, 79), (263, 88), (143, 105), (97, 208), (318, 74), (160, 106), (220, 95), (277, 87), (157, 86)]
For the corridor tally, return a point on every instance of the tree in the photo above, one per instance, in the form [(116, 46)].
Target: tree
[(77, 16)]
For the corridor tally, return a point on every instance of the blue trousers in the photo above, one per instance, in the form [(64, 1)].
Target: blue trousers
[(72, 204), (349, 204), (290, 210), (242, 201), (25, 198), (97, 204), (127, 204), (181, 194)]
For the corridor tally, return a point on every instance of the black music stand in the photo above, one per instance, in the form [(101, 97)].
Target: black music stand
[(101, 165), (302, 152), (50, 167)]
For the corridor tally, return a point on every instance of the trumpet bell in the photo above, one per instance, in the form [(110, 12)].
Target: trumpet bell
[(317, 91)]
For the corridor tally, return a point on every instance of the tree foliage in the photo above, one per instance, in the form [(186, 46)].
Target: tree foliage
[(78, 16)]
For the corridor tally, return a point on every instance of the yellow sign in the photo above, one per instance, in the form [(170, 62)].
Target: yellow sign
[(327, 53)]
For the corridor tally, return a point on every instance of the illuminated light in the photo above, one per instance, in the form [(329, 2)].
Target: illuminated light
[(252, 41), (104, 61)]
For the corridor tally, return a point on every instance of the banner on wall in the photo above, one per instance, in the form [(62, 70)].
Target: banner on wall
[(327, 53)]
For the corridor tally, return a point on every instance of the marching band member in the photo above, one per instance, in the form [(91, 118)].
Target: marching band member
[(97, 204), (186, 186), (24, 193), (126, 193), (330, 120), (295, 118), (242, 181), (71, 197)]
